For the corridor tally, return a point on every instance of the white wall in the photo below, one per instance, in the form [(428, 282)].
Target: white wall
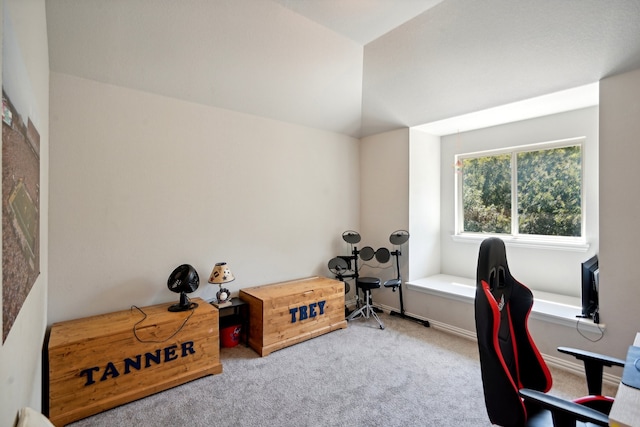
[(21, 353), (424, 205), (384, 198), (619, 128), (461, 258), (400, 183), (547, 270), (619, 206), (141, 183), (615, 242)]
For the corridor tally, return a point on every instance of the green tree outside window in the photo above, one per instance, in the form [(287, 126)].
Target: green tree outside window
[(548, 192)]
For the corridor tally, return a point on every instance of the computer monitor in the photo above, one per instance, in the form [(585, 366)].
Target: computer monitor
[(590, 287)]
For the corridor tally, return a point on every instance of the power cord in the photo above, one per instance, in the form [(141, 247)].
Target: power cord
[(596, 321), (135, 331)]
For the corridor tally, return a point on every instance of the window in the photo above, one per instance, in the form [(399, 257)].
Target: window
[(534, 191)]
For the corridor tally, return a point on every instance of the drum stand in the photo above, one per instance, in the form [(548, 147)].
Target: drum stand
[(398, 238), (337, 266), (343, 264)]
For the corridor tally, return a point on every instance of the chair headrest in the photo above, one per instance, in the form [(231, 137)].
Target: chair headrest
[(492, 263)]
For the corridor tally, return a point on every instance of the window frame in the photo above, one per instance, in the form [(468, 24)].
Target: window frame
[(547, 241)]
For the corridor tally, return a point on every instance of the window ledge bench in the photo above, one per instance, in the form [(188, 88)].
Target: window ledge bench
[(548, 307)]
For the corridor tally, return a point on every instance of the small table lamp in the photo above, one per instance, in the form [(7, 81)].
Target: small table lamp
[(222, 274)]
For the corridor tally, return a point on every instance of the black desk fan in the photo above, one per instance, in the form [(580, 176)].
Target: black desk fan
[(184, 280), (399, 238)]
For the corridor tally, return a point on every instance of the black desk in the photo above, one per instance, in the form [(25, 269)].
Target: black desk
[(239, 310)]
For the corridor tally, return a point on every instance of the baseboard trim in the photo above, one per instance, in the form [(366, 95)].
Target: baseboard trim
[(434, 323), (463, 333)]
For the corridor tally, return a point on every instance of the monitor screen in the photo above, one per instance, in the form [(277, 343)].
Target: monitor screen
[(590, 286)]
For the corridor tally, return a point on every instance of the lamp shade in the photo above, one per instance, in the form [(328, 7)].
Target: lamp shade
[(221, 274)]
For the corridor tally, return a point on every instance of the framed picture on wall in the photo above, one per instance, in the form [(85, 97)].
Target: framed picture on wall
[(20, 183)]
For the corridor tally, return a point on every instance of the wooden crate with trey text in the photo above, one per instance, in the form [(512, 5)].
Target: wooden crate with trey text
[(286, 313)]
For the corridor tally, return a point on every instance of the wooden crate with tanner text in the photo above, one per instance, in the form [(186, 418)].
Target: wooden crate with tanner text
[(99, 362), (283, 314)]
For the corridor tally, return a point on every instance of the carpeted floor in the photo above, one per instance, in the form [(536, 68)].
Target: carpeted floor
[(404, 375)]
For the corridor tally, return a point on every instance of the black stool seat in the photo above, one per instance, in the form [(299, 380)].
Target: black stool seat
[(392, 283), (368, 283)]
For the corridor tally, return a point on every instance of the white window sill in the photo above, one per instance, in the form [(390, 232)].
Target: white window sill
[(535, 242), (552, 308)]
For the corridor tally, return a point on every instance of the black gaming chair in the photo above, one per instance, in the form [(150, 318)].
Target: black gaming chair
[(515, 377)]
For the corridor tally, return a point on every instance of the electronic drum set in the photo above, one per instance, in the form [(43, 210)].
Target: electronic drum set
[(346, 267)]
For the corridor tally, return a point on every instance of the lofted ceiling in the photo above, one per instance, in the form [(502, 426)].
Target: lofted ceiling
[(360, 20), (356, 67)]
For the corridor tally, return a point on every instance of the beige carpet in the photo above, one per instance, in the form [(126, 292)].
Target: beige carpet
[(404, 375)]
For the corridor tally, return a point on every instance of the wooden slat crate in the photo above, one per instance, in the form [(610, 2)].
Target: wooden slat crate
[(97, 363), (283, 314)]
